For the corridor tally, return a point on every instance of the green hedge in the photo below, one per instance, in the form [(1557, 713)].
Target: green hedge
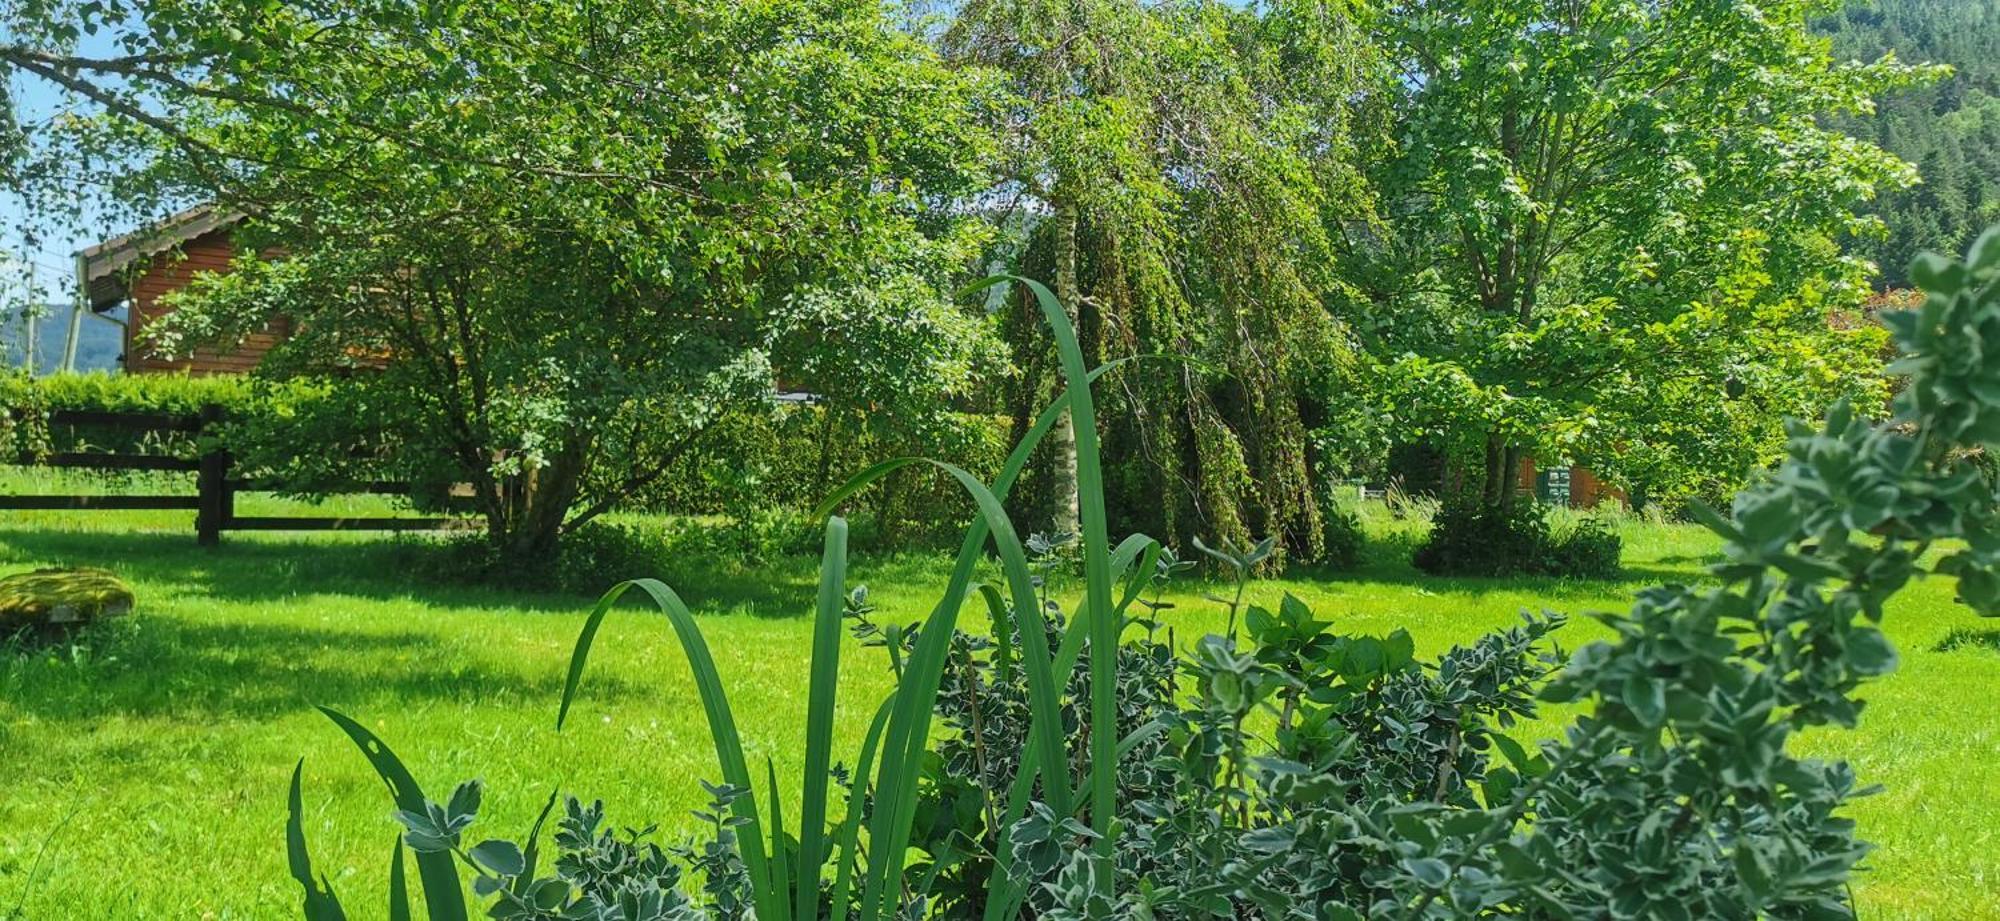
[(26, 402), (784, 460), (161, 393)]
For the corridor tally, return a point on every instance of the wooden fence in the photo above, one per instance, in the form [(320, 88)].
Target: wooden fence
[(214, 501)]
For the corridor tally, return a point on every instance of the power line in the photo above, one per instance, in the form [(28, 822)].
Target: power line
[(31, 259), (59, 271)]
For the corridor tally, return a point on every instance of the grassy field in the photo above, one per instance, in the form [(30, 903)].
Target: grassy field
[(142, 775)]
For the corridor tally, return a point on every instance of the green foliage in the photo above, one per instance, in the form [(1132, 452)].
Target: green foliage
[(1702, 689), (1169, 169), (1195, 820), (1342, 535), (174, 394), (1672, 795), (26, 401), (1614, 235), (782, 463), (1190, 786), (588, 558), (301, 438), (1476, 539), (777, 875), (1605, 230), (760, 470), (523, 274)]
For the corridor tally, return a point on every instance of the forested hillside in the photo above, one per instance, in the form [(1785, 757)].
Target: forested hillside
[(1950, 130)]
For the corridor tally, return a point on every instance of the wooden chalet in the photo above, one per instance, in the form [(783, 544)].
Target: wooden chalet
[(138, 269)]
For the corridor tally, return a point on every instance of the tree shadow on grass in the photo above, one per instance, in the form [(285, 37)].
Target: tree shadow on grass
[(1698, 560), (174, 668), (1390, 571), (267, 568), (1386, 561)]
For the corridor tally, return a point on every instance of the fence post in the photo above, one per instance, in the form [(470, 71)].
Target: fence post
[(212, 485)]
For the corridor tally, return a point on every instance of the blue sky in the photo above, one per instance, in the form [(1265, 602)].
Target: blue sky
[(36, 100)]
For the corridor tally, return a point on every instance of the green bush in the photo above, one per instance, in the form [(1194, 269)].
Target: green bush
[(1477, 539), (605, 552), (752, 538), (597, 554), (1588, 550), (1343, 535), (151, 393), (306, 438)]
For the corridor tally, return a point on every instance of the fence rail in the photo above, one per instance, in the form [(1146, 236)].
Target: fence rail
[(214, 501)]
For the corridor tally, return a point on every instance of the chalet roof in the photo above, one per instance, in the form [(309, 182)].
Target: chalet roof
[(104, 269)]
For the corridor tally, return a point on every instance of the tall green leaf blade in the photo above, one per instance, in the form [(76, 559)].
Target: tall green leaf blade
[(859, 482), (909, 728), (781, 871), (443, 899), (1044, 701), (902, 756), (850, 825), (721, 724), (1003, 635), (1128, 551), (1104, 627), (320, 903), (531, 853), (968, 557), (1147, 551), (820, 694), (1006, 892), (1002, 484), (399, 885)]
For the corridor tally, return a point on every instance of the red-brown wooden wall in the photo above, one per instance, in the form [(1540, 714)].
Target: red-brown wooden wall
[(1585, 489), (171, 271)]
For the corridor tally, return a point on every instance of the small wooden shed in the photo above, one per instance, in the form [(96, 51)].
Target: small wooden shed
[(140, 268)]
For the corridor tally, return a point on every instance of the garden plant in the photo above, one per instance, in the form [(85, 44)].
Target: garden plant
[(1082, 765)]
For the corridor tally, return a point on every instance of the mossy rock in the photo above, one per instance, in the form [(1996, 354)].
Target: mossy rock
[(60, 598)]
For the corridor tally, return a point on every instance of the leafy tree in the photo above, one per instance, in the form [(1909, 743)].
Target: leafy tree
[(1172, 161), (1612, 223), (543, 245)]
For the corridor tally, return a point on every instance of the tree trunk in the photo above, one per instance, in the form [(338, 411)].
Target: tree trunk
[(1489, 481), (1062, 441), (1497, 486), (535, 503), (1510, 475)]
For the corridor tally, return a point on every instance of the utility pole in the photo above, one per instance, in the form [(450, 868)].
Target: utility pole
[(31, 313), (79, 302)]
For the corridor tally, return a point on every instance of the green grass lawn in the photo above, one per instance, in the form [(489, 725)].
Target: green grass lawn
[(143, 775)]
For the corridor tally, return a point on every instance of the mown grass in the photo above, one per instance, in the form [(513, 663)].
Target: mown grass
[(143, 772)]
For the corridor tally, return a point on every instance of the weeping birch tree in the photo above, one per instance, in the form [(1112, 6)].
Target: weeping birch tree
[(1171, 166)]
